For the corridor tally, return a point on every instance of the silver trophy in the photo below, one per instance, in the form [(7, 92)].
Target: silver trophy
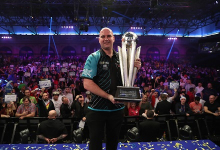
[(127, 55)]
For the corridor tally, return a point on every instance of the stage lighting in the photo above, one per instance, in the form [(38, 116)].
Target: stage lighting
[(185, 133), (78, 135), (24, 136), (86, 28)]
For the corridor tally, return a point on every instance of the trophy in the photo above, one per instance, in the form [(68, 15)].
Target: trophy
[(127, 55)]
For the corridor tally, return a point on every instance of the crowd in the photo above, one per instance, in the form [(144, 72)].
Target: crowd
[(196, 89)]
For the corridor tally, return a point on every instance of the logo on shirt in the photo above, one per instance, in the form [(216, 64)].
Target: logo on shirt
[(87, 72)]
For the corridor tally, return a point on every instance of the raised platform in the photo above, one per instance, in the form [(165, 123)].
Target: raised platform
[(169, 145)]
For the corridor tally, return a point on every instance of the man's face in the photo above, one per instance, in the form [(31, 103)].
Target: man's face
[(27, 93), (183, 100), (65, 100), (199, 84), (106, 39), (81, 98), (209, 85), (67, 90), (211, 98), (156, 94), (55, 96), (45, 96), (26, 102), (144, 99)]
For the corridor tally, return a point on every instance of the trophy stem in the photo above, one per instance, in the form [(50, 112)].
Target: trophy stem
[(121, 66), (137, 55)]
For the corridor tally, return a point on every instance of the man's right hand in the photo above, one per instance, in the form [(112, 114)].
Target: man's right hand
[(47, 140), (25, 113), (215, 114), (111, 98)]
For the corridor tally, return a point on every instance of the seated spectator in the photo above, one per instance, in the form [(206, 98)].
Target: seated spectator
[(9, 110), (144, 105), (45, 104), (163, 107), (80, 108), (21, 94), (65, 110), (195, 106), (52, 130), (69, 95), (183, 108), (27, 109), (133, 109), (191, 94), (32, 98), (212, 107), (57, 103), (149, 130), (189, 85), (199, 88), (209, 90), (154, 97), (88, 97)]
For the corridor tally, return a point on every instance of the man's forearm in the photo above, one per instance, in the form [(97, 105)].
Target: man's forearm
[(62, 136), (94, 88), (41, 137)]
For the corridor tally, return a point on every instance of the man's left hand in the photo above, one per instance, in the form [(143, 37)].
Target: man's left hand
[(53, 140), (137, 63)]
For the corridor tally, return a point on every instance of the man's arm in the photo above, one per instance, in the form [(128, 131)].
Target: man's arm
[(44, 138), (91, 86), (62, 136), (207, 111)]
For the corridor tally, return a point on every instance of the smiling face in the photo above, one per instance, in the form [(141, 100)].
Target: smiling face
[(106, 39)]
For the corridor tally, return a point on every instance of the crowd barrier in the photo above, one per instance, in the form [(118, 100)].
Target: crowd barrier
[(203, 125)]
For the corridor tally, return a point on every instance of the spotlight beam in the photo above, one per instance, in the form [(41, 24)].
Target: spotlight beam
[(172, 45)]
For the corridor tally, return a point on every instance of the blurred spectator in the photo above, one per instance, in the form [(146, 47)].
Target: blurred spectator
[(163, 107), (21, 93), (183, 107), (27, 94), (211, 106), (69, 95), (88, 97), (65, 110), (133, 109), (144, 105), (206, 92), (189, 85), (154, 97), (45, 104), (80, 108), (27, 109), (57, 103), (199, 88), (195, 106), (9, 110), (191, 94)]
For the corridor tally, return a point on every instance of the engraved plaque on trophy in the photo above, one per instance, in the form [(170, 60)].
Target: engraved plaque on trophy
[(127, 55)]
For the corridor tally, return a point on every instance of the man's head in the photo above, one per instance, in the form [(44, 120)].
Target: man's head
[(209, 85), (67, 90), (55, 95), (189, 81), (45, 96), (156, 94), (106, 39), (199, 84), (163, 96), (183, 91), (26, 101), (212, 99), (65, 100), (183, 100), (144, 98), (197, 99), (150, 114), (27, 92), (52, 114), (80, 98), (59, 90)]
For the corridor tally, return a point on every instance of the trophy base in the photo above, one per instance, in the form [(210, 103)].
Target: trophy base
[(127, 94)]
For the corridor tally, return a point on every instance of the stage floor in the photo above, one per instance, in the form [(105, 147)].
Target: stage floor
[(168, 145)]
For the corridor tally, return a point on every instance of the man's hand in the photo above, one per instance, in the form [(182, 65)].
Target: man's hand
[(53, 140), (215, 114), (111, 98), (43, 89), (47, 140), (187, 114), (22, 117), (25, 113), (137, 63), (84, 119)]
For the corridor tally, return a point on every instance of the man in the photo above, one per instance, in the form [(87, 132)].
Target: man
[(149, 130), (102, 75), (60, 93), (206, 92), (45, 104), (144, 105), (26, 109), (22, 90), (199, 88), (212, 107), (163, 107), (57, 103), (183, 108), (189, 85), (69, 95), (52, 130), (154, 97), (32, 98), (80, 108), (65, 110), (195, 106)]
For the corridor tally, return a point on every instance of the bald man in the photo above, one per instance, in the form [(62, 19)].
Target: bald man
[(52, 130)]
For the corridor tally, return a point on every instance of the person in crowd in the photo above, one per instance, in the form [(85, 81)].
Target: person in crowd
[(182, 93), (149, 130), (183, 108), (182, 84), (206, 92), (45, 104), (26, 109), (163, 107), (21, 94), (154, 97), (52, 130), (88, 97), (199, 88), (9, 110), (80, 108), (32, 98), (160, 87), (61, 94), (195, 106), (104, 111), (133, 109), (69, 95), (65, 110), (189, 85), (212, 107), (191, 94), (144, 104), (57, 103)]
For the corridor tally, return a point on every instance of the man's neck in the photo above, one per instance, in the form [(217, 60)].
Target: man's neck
[(108, 52)]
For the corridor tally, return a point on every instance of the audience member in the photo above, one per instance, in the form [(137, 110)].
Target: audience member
[(9, 110), (144, 105), (183, 107), (133, 109), (195, 106), (163, 107), (32, 98), (57, 103), (206, 92), (199, 88), (212, 107), (80, 108), (65, 110)]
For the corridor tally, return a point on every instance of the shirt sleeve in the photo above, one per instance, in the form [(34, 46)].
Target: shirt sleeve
[(90, 68)]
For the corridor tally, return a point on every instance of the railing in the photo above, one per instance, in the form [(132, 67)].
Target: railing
[(170, 124)]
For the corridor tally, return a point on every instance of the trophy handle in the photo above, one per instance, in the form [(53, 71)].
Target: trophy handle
[(121, 66), (137, 55), (124, 63), (131, 60)]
